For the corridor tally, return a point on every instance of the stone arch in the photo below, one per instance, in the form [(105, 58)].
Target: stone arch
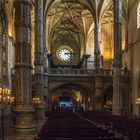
[(86, 93), (107, 24), (84, 88), (86, 4), (61, 25)]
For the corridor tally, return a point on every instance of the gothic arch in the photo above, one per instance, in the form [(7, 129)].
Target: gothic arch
[(80, 87), (71, 89), (87, 4)]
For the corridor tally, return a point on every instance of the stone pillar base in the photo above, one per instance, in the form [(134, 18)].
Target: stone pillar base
[(117, 111), (40, 115), (98, 107), (25, 131), (98, 104), (24, 121), (40, 112)]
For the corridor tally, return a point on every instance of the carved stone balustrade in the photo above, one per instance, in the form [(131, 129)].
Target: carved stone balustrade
[(83, 72)]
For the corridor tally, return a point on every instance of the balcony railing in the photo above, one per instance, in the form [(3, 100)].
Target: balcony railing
[(78, 72), (69, 72), (83, 72)]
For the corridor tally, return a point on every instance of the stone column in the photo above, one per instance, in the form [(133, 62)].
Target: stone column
[(24, 112), (39, 55), (45, 49), (98, 98), (46, 90), (1, 44), (86, 60), (92, 101), (49, 60), (97, 46), (117, 97), (86, 103)]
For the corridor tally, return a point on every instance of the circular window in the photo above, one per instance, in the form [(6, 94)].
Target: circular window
[(64, 54)]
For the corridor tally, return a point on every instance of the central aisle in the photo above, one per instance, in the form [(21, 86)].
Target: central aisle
[(68, 126)]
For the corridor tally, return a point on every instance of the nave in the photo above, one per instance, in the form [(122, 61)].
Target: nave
[(69, 53), (88, 126)]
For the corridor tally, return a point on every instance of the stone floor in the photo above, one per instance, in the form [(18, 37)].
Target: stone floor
[(9, 133)]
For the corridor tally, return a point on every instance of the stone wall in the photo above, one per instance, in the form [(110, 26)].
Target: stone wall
[(131, 57)]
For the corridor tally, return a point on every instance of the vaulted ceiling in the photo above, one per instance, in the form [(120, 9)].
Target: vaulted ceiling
[(76, 19), (73, 20)]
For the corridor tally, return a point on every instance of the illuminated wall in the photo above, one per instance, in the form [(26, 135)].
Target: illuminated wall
[(33, 35)]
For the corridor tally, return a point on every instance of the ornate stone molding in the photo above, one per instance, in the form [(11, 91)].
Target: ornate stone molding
[(24, 112), (39, 56)]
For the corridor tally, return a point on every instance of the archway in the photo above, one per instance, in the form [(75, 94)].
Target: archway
[(66, 26), (70, 96), (67, 98)]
